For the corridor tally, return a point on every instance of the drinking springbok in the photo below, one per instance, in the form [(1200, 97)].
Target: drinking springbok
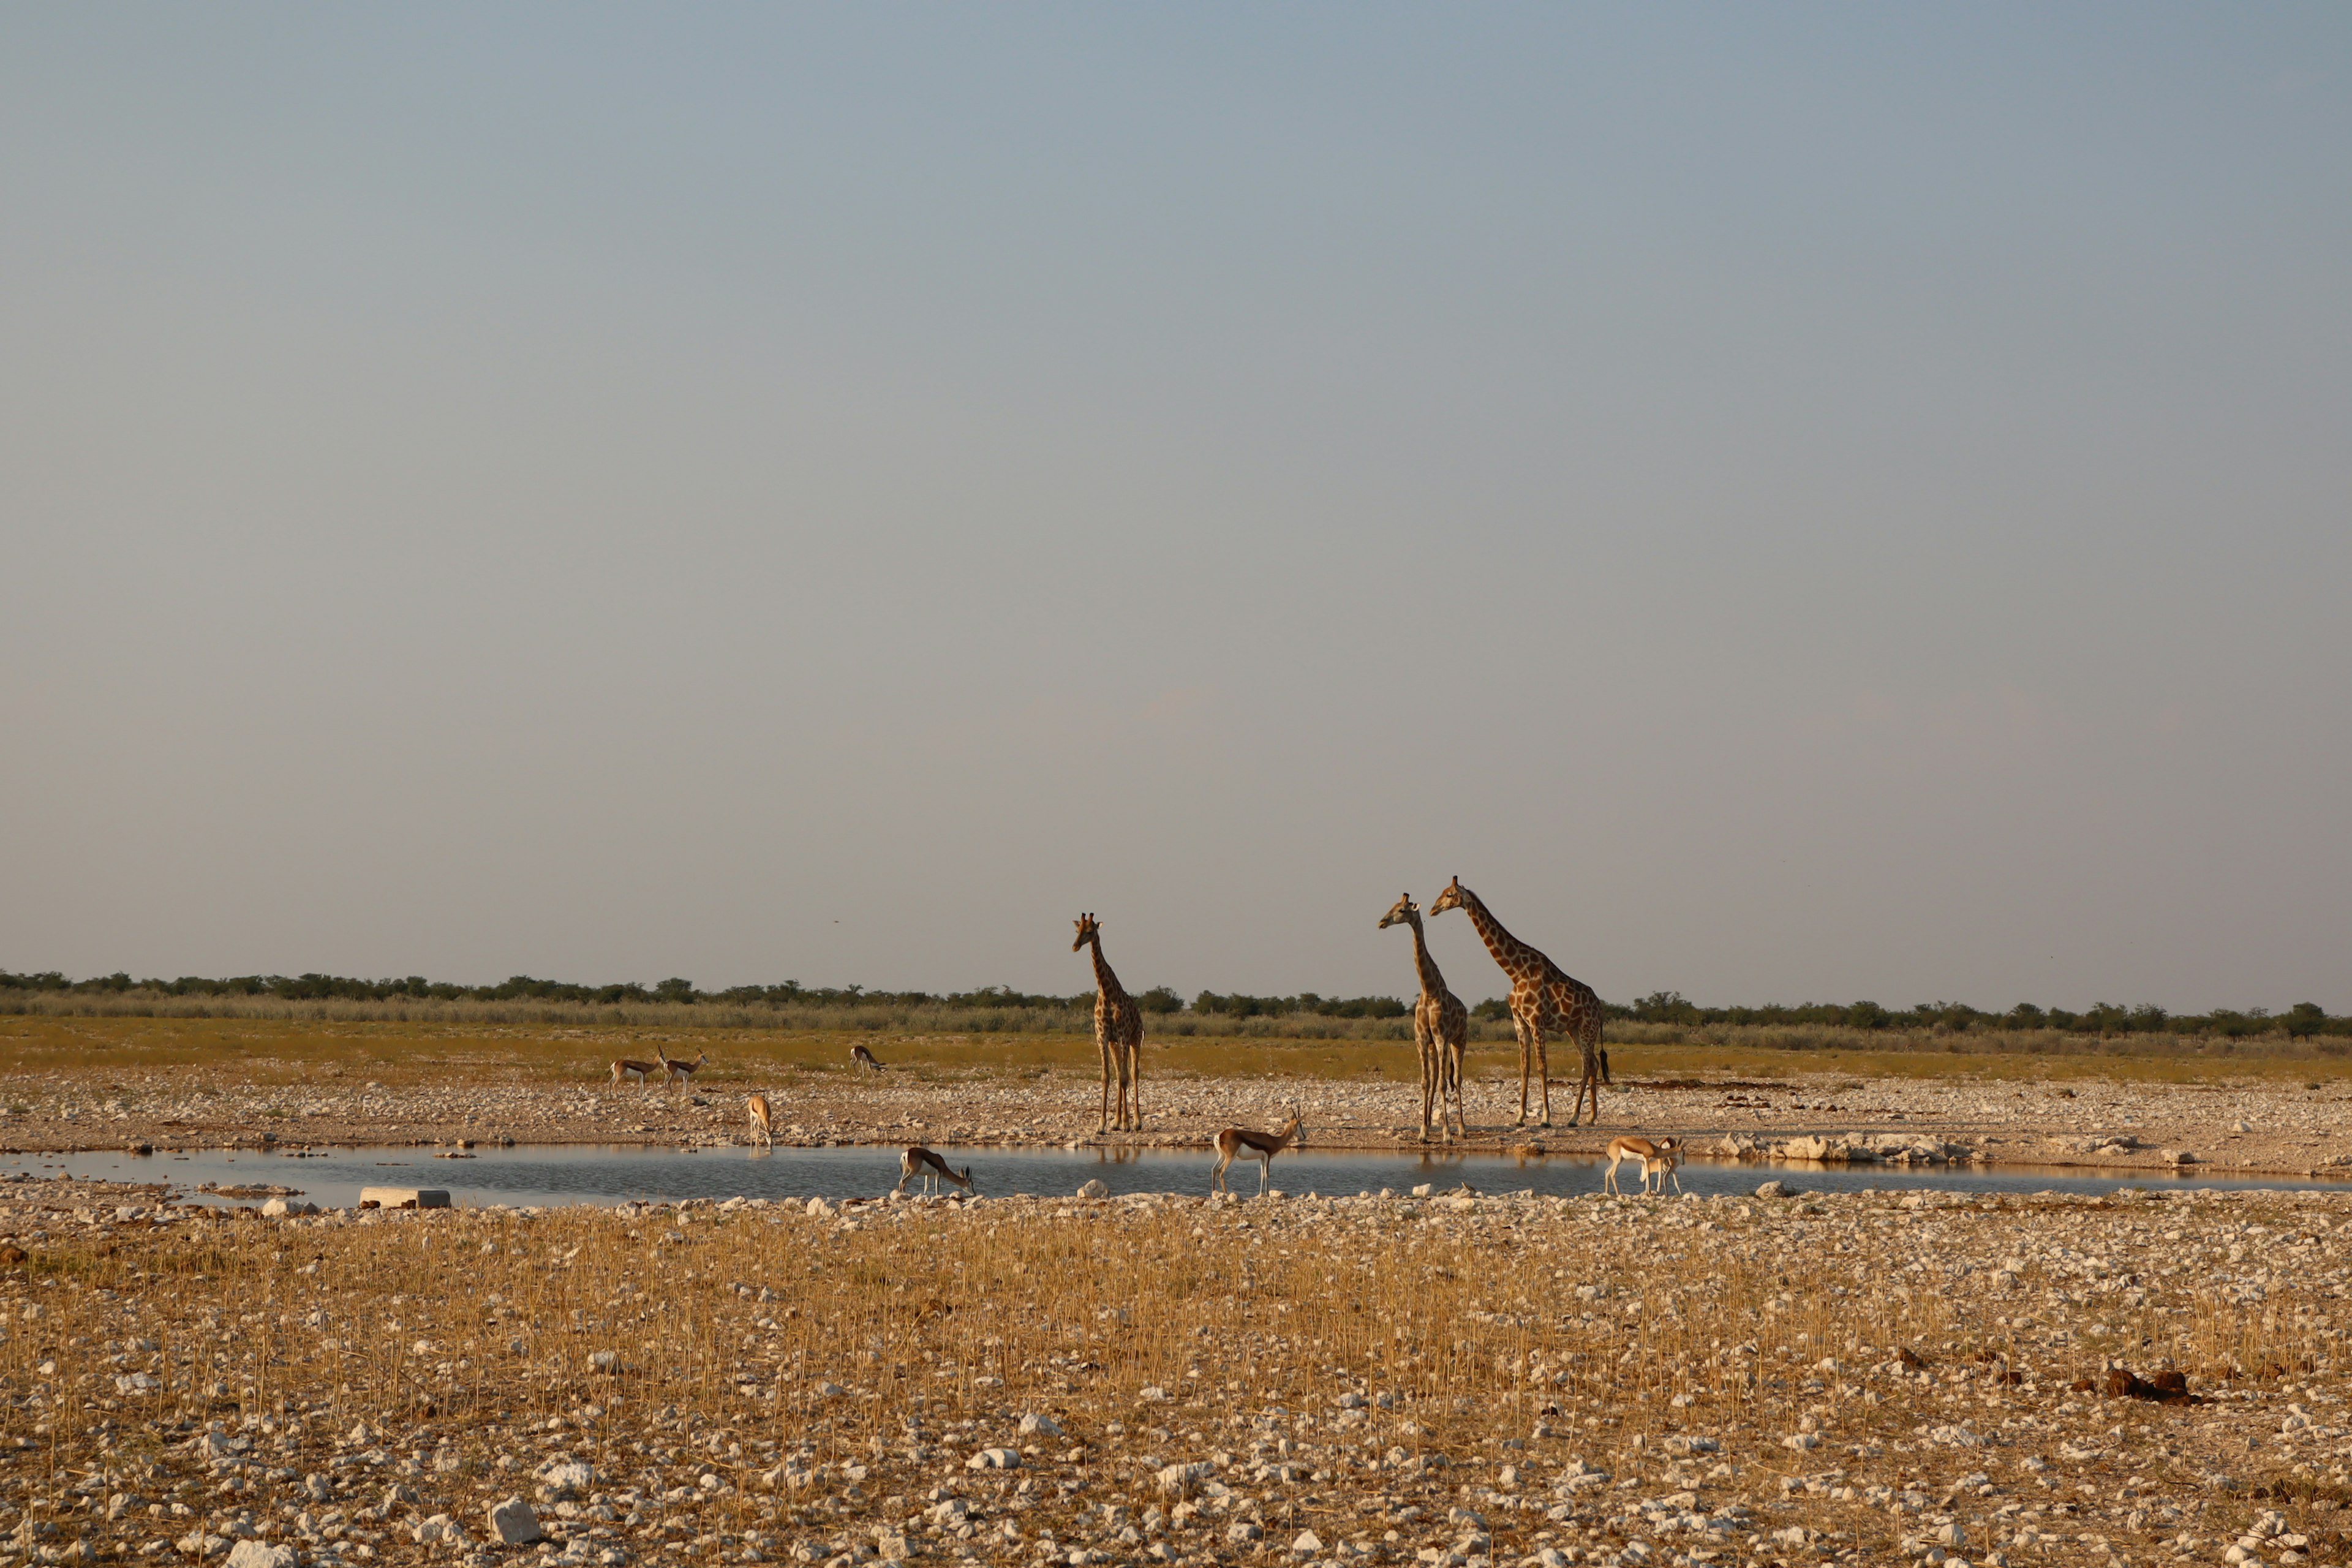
[(756, 1109), (1658, 1158), (1232, 1141), (919, 1161)]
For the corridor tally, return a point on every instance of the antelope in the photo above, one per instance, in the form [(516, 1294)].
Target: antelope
[(756, 1109), (684, 1070), (919, 1161), (1232, 1141), (628, 1067), (860, 1056), (1658, 1158)]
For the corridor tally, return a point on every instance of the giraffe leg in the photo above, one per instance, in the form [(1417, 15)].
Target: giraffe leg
[(1103, 1044), (1543, 1074), (1449, 1067), (1135, 1063), (1521, 1026), (1421, 1050)]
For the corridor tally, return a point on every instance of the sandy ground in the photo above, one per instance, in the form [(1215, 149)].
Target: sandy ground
[(2266, 1127), (1848, 1378)]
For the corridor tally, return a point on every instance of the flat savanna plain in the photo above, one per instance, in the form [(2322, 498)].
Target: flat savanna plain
[(104, 1082), (1859, 1378)]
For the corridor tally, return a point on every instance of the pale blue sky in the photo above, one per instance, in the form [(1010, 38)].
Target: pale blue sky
[(1787, 503)]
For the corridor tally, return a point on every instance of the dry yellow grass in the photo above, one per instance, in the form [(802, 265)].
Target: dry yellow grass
[(272, 1050), (1359, 1369)]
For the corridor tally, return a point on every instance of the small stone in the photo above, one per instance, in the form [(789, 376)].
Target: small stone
[(994, 1459), (1180, 1479), (257, 1555), (566, 1480), (1773, 1189), (1044, 1426), (1952, 1535), (1307, 1543), (1095, 1188), (1242, 1532), (513, 1522)]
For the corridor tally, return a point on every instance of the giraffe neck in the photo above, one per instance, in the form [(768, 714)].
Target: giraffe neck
[(1103, 979), (1517, 957), (1433, 983)]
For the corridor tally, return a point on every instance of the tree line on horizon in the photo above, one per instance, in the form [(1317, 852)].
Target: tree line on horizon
[(2303, 1020)]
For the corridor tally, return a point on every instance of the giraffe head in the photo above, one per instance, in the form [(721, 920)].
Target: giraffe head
[(1451, 898), (1403, 912), (1089, 928)]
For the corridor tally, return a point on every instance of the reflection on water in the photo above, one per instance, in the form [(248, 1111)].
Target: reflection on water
[(607, 1174)]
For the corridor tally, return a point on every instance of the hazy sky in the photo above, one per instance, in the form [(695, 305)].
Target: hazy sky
[(1787, 502)]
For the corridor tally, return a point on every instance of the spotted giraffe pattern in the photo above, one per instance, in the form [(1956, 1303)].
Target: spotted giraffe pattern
[(1545, 1001), (1441, 1029), (1119, 1035)]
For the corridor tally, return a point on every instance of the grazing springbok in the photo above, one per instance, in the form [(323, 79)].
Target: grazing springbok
[(1264, 1145), (1658, 1158), (860, 1056), (756, 1109), (919, 1161), (684, 1070), (629, 1067)]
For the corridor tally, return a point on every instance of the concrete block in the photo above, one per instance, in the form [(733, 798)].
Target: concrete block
[(405, 1197)]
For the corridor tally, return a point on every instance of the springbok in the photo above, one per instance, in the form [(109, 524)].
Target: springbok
[(919, 1161), (756, 1109), (684, 1070), (860, 1056), (1264, 1145), (629, 1067), (1658, 1158)]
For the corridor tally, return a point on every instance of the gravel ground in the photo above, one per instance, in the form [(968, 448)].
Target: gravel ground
[(1852, 1378), (2266, 1127)]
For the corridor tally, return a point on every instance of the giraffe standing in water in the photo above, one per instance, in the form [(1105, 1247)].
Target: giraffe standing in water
[(1545, 1001), (1119, 1034), (1441, 1028)]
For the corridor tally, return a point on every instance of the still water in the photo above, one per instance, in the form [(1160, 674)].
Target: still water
[(593, 1174)]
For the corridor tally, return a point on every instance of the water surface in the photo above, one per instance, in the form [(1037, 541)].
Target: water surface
[(594, 1174)]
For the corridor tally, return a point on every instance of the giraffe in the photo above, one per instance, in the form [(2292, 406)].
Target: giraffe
[(1441, 1028), (1119, 1034), (1544, 999)]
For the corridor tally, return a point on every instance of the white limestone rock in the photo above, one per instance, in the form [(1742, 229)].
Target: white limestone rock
[(513, 1522)]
